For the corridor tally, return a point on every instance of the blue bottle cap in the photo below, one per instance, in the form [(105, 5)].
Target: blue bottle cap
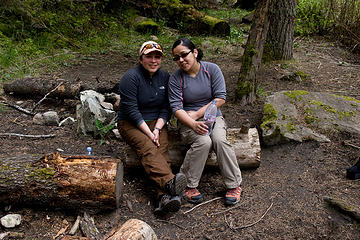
[(88, 149)]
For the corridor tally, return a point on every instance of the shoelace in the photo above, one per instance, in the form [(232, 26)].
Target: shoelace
[(234, 191), (191, 192)]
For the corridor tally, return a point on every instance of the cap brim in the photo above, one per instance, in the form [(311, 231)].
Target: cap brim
[(147, 51)]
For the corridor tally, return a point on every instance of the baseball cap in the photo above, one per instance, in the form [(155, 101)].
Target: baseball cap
[(150, 46)]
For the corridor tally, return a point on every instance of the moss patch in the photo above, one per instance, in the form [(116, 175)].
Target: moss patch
[(270, 115), (348, 98), (309, 117), (290, 127), (324, 106), (296, 95)]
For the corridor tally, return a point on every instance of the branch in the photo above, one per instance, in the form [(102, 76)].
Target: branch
[(18, 108), (38, 103), (202, 204), (238, 205), (26, 136), (350, 144), (252, 224)]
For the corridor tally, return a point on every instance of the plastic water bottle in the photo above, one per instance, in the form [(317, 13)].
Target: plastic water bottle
[(210, 116), (89, 150)]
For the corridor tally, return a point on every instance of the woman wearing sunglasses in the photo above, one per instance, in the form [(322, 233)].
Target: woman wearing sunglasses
[(191, 89), (143, 112)]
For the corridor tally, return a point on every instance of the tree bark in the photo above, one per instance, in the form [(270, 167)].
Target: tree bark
[(279, 42), (246, 147), (251, 59), (73, 182)]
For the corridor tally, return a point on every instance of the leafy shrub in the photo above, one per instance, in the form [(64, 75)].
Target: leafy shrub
[(312, 18)]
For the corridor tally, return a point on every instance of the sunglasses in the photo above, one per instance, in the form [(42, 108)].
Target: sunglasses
[(182, 55), (150, 46)]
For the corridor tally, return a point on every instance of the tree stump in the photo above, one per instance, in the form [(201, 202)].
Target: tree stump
[(70, 182), (246, 147)]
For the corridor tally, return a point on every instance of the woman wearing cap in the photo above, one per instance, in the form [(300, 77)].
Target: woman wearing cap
[(191, 89), (143, 112)]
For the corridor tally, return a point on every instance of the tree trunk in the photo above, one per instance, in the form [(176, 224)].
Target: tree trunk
[(246, 147), (279, 42), (251, 59), (72, 182)]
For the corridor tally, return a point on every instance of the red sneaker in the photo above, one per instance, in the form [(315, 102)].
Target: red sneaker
[(232, 196), (192, 195)]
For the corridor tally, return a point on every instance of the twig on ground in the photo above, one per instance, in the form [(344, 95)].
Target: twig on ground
[(252, 224), (18, 108), (217, 198), (38, 103), (164, 221), (351, 145), (237, 206), (75, 227), (26, 136), (15, 121)]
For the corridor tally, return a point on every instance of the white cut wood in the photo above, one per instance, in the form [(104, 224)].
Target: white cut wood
[(246, 146)]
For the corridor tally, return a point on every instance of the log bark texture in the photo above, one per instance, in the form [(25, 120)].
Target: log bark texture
[(251, 59), (246, 147), (68, 182), (37, 88)]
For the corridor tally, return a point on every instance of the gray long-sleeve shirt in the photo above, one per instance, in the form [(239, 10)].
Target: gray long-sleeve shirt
[(143, 97), (190, 94)]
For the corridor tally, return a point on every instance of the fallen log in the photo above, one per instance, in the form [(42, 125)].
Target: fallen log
[(246, 146), (38, 87), (184, 17), (344, 207), (68, 182)]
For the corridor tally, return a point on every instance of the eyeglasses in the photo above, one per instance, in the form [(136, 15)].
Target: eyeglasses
[(151, 45), (182, 55)]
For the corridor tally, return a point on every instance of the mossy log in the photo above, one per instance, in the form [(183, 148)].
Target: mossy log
[(65, 182), (185, 17), (38, 87), (246, 147), (344, 207)]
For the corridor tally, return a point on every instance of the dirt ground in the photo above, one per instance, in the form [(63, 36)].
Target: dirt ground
[(282, 199)]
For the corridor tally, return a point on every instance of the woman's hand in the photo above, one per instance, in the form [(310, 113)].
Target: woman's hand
[(200, 127), (156, 138)]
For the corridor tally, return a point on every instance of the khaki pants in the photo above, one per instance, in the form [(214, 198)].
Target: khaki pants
[(155, 160), (198, 153)]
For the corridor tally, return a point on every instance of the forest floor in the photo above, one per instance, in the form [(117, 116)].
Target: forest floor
[(282, 199)]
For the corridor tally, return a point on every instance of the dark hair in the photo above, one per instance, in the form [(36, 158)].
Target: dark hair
[(189, 44)]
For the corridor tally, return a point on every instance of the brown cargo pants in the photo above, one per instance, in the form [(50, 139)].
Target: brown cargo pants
[(155, 160)]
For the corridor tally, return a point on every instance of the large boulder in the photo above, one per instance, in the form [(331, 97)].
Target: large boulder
[(302, 115)]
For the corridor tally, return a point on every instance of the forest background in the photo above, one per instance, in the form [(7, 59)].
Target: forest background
[(40, 36)]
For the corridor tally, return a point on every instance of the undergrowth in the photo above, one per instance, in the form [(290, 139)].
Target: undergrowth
[(336, 18)]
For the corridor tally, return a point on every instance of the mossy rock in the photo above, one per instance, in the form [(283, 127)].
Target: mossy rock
[(299, 115), (146, 25)]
